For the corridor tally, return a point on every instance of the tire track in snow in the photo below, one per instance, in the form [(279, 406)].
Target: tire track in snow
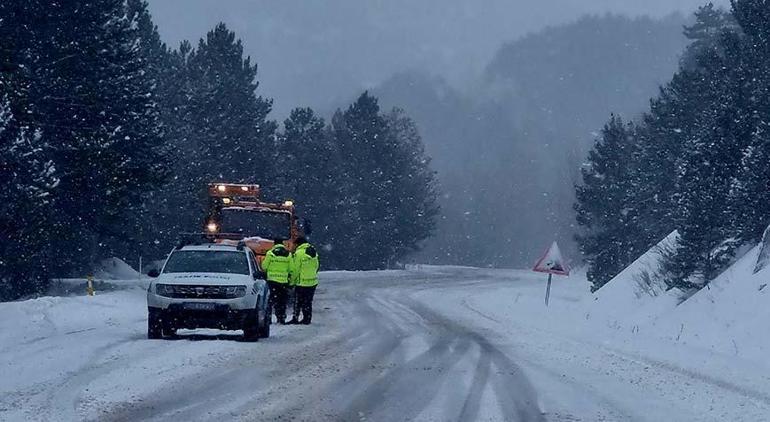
[(63, 400), (516, 396)]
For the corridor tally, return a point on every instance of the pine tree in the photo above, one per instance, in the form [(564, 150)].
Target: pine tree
[(606, 204), (177, 206), (308, 171), (707, 176), (753, 17), (671, 121), (752, 186), (414, 187), (710, 23), (234, 139), (151, 237), (219, 130), (93, 99), (28, 178), (358, 133), (380, 157)]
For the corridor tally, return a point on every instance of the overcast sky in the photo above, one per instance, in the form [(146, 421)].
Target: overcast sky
[(321, 52)]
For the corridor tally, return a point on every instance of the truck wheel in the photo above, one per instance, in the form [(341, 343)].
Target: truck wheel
[(154, 326), (251, 327)]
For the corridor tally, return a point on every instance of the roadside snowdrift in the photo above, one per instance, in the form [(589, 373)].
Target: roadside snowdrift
[(638, 294), (115, 269), (728, 317)]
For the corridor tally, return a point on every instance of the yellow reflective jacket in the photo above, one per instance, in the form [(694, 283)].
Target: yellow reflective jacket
[(304, 268), (277, 264)]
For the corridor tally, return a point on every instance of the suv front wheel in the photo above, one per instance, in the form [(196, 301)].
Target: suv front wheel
[(265, 319), (251, 326), (154, 325)]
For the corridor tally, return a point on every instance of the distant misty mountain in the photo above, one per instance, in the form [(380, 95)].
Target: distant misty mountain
[(575, 75), (320, 53), (508, 151)]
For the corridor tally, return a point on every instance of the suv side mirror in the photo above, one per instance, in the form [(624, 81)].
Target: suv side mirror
[(153, 273)]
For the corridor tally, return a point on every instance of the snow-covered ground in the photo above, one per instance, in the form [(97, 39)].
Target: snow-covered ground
[(430, 343), (591, 369)]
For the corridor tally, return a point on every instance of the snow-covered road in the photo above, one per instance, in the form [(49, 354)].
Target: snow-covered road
[(436, 344)]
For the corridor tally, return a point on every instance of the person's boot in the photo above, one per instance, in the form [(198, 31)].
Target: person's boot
[(305, 321), (282, 320), (293, 321)]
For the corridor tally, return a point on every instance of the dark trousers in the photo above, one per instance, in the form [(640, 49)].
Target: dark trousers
[(278, 296), (304, 302)]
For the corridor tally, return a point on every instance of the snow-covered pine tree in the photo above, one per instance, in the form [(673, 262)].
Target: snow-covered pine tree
[(605, 203), (233, 136), (28, 178), (150, 237), (670, 122), (177, 206), (711, 161), (752, 185), (359, 133), (308, 171), (753, 17), (704, 33), (94, 100), (217, 125), (380, 157), (415, 187)]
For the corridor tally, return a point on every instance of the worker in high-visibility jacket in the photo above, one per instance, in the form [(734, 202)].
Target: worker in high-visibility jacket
[(277, 265), (304, 278)]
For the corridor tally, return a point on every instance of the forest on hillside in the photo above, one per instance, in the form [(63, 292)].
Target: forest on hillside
[(698, 161), (108, 139), (508, 148)]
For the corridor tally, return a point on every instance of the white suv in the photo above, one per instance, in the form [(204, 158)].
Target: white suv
[(208, 286)]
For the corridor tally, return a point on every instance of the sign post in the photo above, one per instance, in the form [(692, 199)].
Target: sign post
[(552, 262), (90, 285)]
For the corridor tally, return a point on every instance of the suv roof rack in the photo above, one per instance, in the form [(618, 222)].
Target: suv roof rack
[(187, 239)]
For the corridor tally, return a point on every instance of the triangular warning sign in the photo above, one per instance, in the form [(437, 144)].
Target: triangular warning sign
[(552, 262)]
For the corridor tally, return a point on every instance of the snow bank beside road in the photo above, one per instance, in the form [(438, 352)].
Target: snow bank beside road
[(731, 316), (115, 269), (638, 294), (726, 317), (43, 339)]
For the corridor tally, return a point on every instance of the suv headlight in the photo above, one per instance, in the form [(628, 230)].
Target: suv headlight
[(165, 290), (235, 291)]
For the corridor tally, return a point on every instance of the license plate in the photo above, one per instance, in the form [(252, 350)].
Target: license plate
[(194, 306)]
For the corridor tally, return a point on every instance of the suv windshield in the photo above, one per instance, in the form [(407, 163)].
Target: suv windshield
[(207, 262), (268, 225)]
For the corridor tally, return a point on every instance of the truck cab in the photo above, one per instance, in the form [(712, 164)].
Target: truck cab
[(237, 214), (208, 285)]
